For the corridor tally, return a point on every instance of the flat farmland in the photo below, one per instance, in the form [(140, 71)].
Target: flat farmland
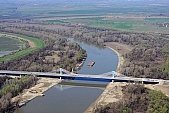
[(9, 44), (126, 22), (134, 24)]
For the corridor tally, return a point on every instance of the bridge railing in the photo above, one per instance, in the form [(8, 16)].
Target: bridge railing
[(106, 74)]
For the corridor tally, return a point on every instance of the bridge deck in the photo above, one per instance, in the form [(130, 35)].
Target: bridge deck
[(101, 77)]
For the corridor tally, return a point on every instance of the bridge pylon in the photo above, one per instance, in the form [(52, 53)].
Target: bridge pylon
[(61, 71), (113, 72)]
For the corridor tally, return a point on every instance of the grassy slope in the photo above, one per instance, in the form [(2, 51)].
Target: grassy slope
[(38, 45)]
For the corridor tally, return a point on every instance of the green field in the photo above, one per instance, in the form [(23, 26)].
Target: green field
[(9, 44), (38, 45), (51, 8), (158, 19), (56, 21), (141, 24), (112, 24), (101, 22)]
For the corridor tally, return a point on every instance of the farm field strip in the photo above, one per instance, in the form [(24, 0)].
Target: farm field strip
[(9, 44), (118, 22), (38, 44)]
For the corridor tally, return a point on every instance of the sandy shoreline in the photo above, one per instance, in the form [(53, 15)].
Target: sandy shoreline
[(42, 86), (112, 93), (120, 57)]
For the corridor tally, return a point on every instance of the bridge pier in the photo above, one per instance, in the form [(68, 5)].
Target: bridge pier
[(142, 82), (113, 72)]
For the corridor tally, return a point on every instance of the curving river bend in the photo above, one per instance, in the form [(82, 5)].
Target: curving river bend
[(69, 98)]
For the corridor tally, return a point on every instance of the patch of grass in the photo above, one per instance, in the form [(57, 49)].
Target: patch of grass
[(38, 45), (56, 21), (158, 19), (78, 12), (106, 23), (9, 44), (123, 26), (112, 24), (92, 19), (124, 23)]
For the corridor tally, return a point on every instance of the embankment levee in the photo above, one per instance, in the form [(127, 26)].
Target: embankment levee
[(43, 85), (113, 91)]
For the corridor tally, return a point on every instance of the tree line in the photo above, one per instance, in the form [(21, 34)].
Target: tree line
[(137, 98), (11, 88)]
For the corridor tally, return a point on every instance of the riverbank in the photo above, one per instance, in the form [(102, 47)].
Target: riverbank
[(43, 85), (113, 91), (120, 49), (121, 59)]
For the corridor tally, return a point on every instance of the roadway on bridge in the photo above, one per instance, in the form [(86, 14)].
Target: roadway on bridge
[(101, 77)]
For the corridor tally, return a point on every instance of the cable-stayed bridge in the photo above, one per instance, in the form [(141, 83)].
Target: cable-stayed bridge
[(105, 77)]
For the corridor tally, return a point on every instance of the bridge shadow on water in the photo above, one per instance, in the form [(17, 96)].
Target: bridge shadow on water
[(67, 84), (84, 83)]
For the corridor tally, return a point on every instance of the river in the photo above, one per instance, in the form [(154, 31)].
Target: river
[(70, 98), (5, 52)]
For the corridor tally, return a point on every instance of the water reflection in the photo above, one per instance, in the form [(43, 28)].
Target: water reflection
[(63, 99), (5, 52)]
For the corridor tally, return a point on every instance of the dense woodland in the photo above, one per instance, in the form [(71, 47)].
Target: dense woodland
[(138, 99), (149, 58), (62, 54), (59, 52), (11, 88)]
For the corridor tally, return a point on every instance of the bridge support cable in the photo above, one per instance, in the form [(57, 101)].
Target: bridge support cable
[(106, 74), (61, 71), (112, 76), (119, 74), (65, 71)]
